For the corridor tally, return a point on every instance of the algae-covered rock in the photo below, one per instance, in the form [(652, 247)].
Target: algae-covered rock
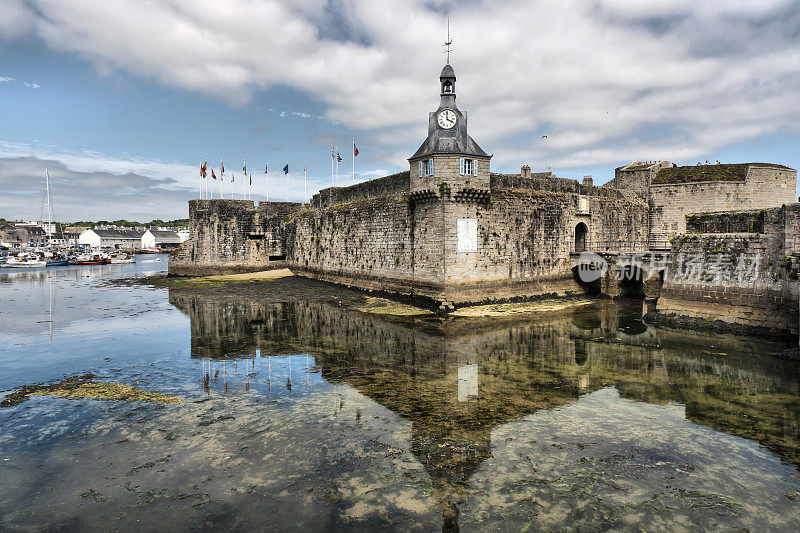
[(84, 387)]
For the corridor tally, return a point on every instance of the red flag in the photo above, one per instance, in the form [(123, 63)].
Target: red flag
[(266, 168), (212, 174), (355, 150)]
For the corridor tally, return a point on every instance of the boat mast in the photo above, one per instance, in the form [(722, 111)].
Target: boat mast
[(49, 208)]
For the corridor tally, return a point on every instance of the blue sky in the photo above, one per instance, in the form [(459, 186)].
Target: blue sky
[(123, 100)]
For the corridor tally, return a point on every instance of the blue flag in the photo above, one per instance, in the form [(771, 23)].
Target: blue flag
[(286, 169)]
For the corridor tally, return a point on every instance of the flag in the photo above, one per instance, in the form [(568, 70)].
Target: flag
[(338, 157), (286, 169), (212, 174), (203, 168), (221, 167), (333, 150), (251, 179), (266, 168), (305, 168), (244, 169), (232, 177), (355, 150)]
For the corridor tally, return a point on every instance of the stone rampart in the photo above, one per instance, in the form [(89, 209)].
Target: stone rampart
[(229, 236), (762, 187), (392, 184), (748, 279), (525, 237), (547, 181), (751, 221)]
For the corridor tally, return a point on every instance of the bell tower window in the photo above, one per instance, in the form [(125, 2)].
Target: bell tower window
[(426, 168), (468, 167), (447, 87)]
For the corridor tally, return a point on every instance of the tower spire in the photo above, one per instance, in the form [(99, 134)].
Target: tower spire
[(448, 42)]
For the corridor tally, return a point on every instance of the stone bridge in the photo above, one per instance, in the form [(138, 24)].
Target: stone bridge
[(631, 269)]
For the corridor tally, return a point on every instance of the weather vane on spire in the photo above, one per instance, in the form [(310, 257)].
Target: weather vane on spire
[(448, 42)]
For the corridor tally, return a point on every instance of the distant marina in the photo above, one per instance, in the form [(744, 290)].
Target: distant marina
[(42, 244)]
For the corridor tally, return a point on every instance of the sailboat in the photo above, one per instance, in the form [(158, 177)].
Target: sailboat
[(56, 259)]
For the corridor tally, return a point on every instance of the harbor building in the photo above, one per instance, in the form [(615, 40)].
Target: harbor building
[(112, 238), (165, 240)]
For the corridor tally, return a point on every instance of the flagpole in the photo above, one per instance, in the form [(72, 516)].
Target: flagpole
[(201, 182), (333, 151), (337, 169), (305, 182), (266, 171), (354, 160), (287, 183)]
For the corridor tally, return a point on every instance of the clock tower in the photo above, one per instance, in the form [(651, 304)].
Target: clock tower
[(449, 164)]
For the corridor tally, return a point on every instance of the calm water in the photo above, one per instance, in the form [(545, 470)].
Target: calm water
[(315, 416)]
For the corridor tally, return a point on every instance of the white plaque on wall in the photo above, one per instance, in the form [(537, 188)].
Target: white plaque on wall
[(467, 235)]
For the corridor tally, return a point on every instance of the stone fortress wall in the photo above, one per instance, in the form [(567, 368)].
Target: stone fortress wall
[(229, 236), (739, 267), (674, 192), (385, 235), (398, 244), (384, 239)]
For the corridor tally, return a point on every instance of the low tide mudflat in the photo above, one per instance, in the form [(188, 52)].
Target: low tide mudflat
[(303, 406)]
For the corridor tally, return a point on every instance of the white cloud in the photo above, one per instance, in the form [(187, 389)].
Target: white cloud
[(10, 81), (87, 194), (179, 174), (604, 80)]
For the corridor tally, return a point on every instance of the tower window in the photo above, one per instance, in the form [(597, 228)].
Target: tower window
[(426, 168), (469, 167), (448, 87)]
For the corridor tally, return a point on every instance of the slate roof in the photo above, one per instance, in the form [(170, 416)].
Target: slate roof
[(119, 234), (166, 237), (448, 72), (440, 143)]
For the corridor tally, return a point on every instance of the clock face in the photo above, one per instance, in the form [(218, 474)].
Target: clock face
[(447, 119)]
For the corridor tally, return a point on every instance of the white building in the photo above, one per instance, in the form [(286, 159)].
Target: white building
[(161, 239), (112, 238)]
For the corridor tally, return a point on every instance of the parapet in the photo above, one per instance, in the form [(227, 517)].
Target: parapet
[(387, 185), (548, 181), (698, 173)]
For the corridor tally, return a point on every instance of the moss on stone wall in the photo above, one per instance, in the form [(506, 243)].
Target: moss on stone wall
[(691, 174)]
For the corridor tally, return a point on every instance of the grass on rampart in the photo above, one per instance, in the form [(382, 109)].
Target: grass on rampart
[(691, 174)]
